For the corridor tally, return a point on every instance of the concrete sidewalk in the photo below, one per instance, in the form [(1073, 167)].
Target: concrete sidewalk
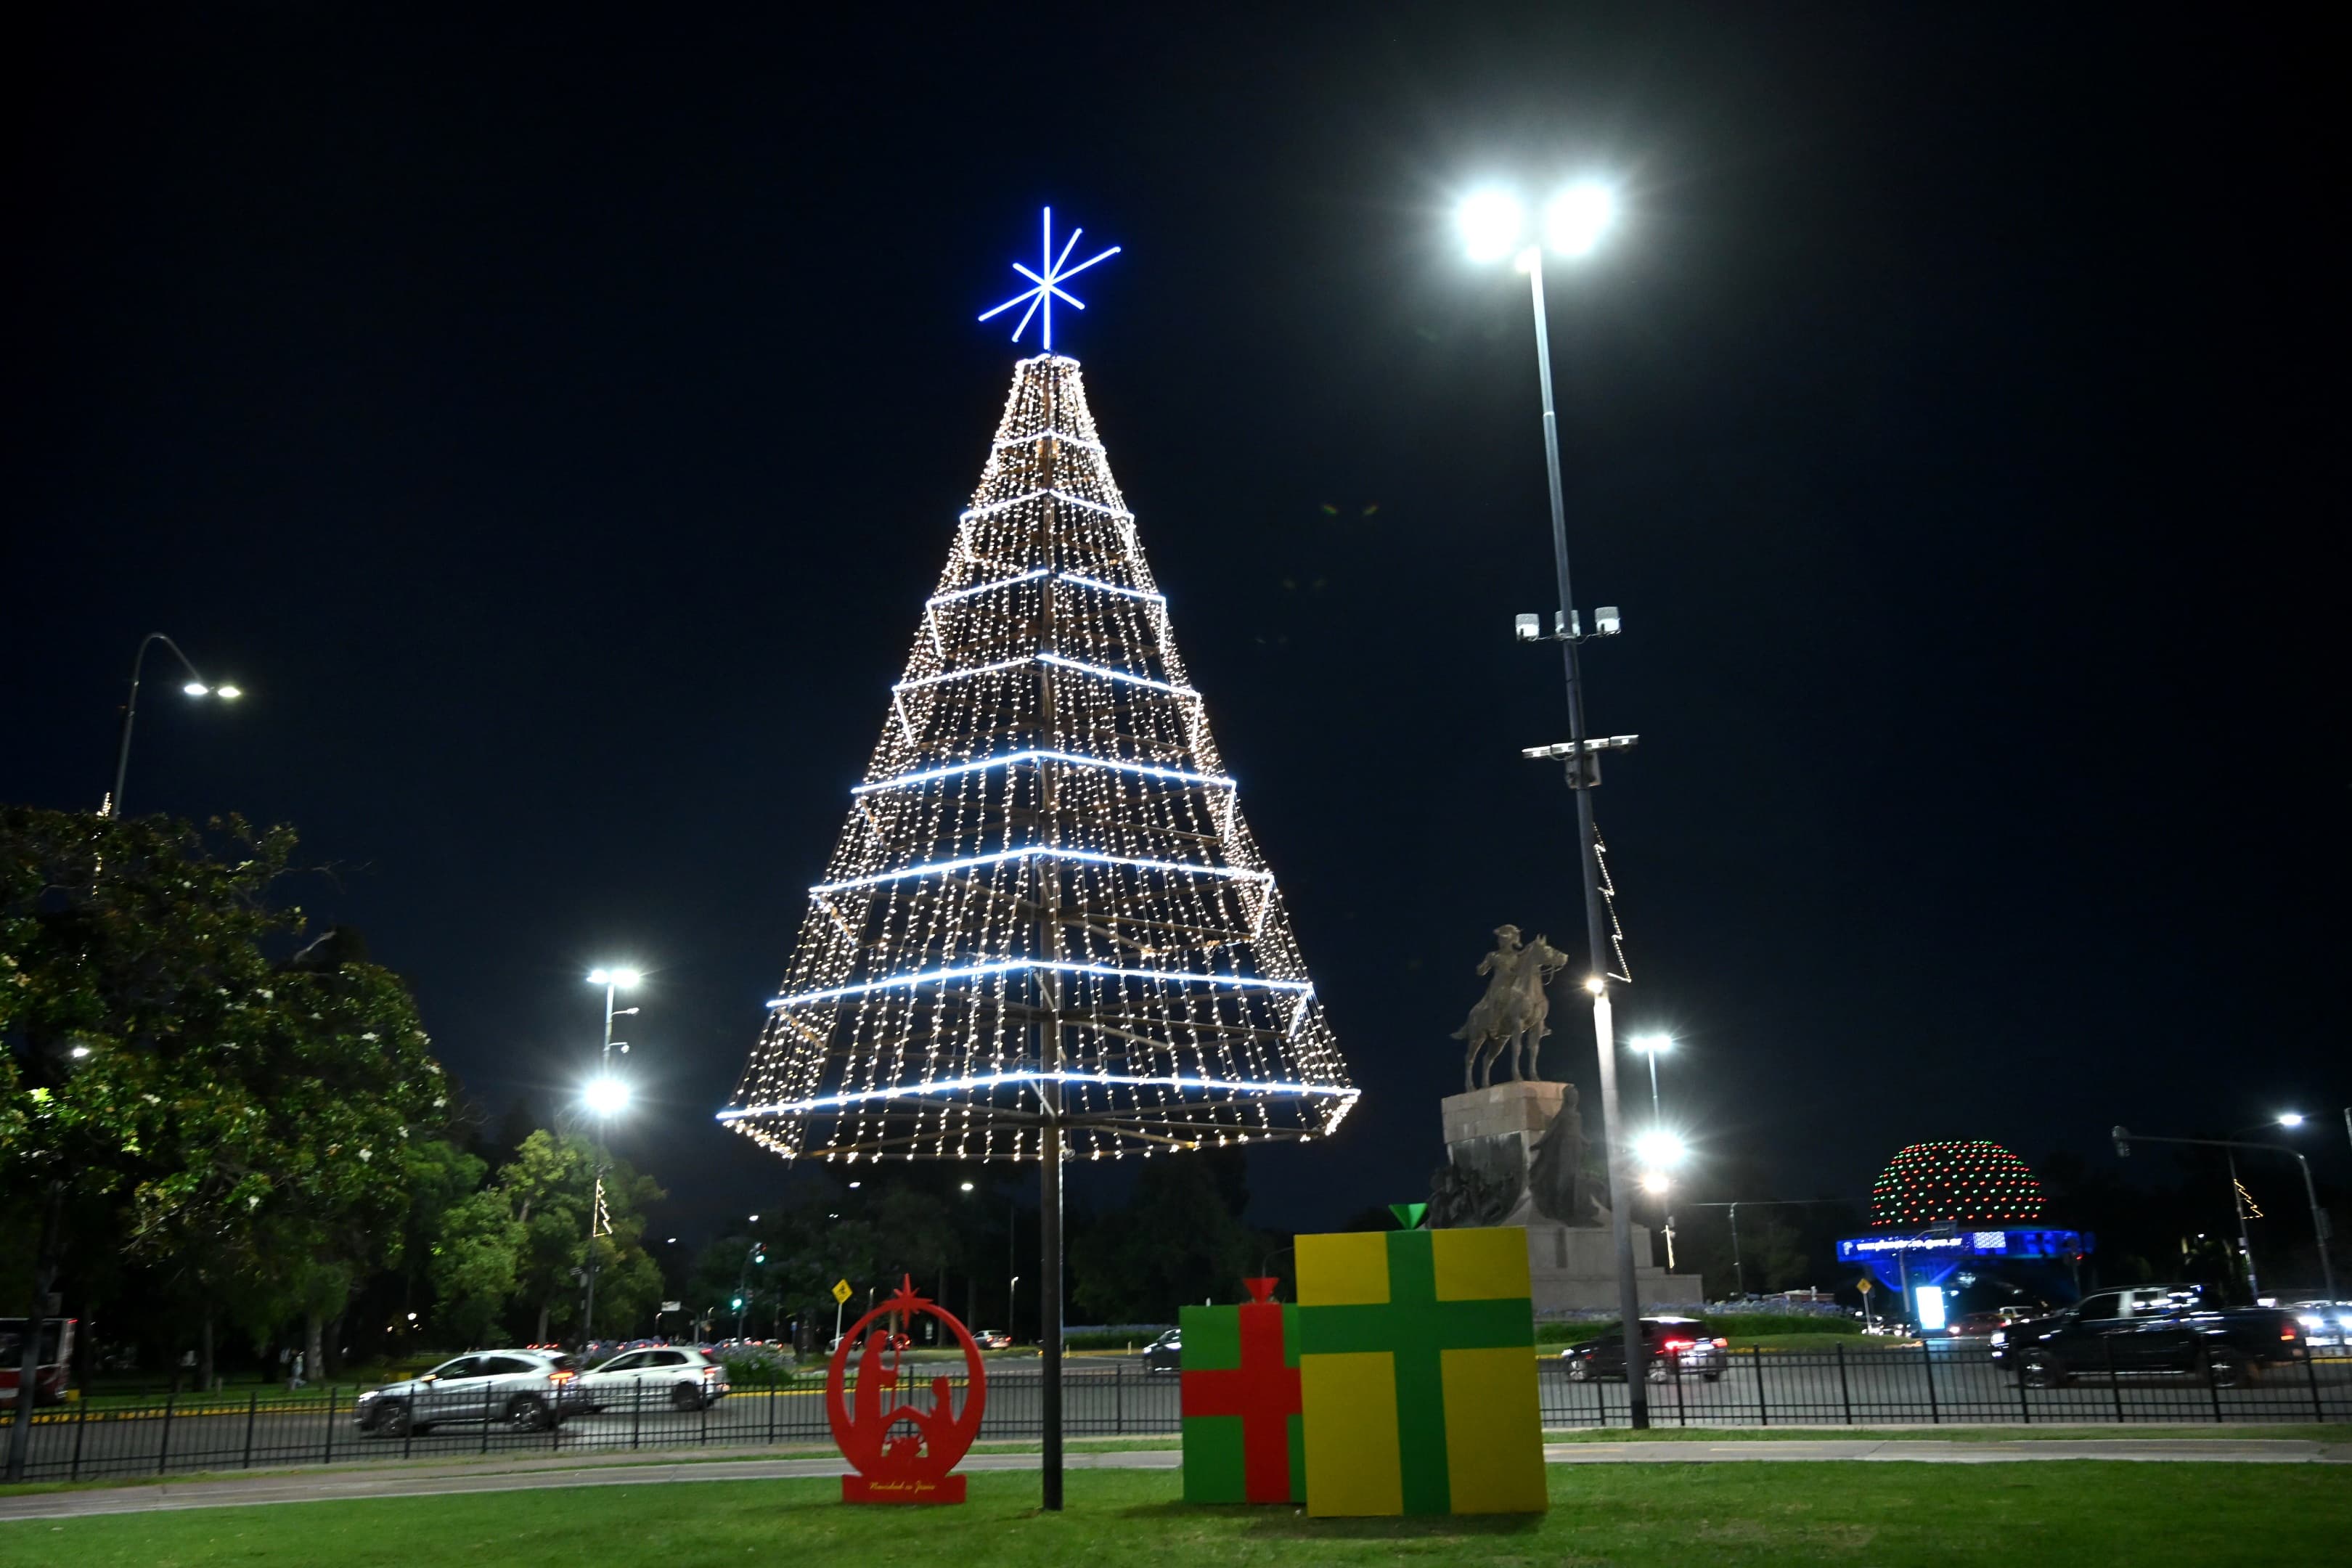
[(327, 1486)]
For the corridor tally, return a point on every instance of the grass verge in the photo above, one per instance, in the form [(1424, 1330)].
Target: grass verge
[(1759, 1514)]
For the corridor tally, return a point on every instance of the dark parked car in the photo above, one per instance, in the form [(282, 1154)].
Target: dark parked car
[(1165, 1354), (1670, 1348), (2149, 1330)]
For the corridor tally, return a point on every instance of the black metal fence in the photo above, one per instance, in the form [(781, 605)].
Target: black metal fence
[(1934, 1383)]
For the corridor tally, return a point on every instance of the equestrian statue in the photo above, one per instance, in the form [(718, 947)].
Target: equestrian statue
[(1509, 1019)]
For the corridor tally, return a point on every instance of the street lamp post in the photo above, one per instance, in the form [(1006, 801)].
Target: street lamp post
[(607, 1096), (2124, 1138), (195, 686), (1493, 225)]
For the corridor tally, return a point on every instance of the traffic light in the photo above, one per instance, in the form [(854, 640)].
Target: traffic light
[(737, 1303)]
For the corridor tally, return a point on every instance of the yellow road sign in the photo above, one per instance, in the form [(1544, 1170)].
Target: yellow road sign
[(1866, 1284), (841, 1291)]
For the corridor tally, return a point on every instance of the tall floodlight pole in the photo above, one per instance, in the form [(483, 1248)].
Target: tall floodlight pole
[(1492, 224), (195, 686), (607, 1096)]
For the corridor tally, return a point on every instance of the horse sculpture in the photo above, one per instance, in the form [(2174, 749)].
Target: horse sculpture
[(1510, 1017)]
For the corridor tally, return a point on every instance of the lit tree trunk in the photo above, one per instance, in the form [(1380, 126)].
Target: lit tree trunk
[(314, 1346), (540, 1338), (205, 1350)]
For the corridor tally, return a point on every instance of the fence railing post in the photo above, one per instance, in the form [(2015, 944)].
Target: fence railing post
[(1846, 1392), (329, 1457), (2024, 1408), (2115, 1384), (163, 1448), (771, 1410), (252, 1409), (636, 1413), (1928, 1365), (2311, 1372), (488, 1393), (1763, 1411), (82, 1419), (2213, 1390), (1118, 1398)]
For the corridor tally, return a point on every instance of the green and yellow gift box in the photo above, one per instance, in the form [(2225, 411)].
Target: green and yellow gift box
[(1417, 1373)]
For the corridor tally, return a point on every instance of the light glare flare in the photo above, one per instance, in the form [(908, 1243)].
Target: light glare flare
[(1491, 222), (1654, 1181), (196, 689), (1578, 218), (1649, 1044), (1658, 1149), (228, 693), (607, 1096)]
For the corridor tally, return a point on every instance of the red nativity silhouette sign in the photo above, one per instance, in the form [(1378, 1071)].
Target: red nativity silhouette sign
[(902, 1452)]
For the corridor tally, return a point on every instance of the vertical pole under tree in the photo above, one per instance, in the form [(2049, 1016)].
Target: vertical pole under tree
[(2245, 1242), (1583, 769), (1049, 1135)]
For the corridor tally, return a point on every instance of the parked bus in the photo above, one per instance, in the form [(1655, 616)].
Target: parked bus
[(56, 1351)]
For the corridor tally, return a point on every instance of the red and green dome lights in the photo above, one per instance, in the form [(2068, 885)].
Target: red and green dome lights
[(1972, 1182)]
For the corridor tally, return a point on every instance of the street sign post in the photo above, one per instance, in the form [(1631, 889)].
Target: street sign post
[(841, 1294)]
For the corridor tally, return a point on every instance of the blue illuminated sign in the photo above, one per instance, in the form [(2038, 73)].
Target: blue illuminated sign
[(1955, 1243)]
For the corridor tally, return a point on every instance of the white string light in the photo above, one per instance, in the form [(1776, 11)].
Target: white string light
[(1045, 877)]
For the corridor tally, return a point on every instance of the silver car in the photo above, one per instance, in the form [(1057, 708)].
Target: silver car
[(529, 1391), (677, 1376)]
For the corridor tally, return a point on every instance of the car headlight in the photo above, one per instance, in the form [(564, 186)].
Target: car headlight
[(2001, 1336)]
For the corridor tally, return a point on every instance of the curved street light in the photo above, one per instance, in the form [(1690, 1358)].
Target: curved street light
[(607, 1097), (194, 686)]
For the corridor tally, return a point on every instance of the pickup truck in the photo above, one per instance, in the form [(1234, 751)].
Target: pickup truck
[(2149, 1330)]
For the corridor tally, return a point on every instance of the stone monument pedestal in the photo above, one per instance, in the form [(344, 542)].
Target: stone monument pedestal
[(1495, 1131)]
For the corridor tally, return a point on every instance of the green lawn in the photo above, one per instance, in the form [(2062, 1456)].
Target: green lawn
[(1885, 1516)]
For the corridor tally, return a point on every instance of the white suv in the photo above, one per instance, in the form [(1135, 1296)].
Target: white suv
[(528, 1390), (677, 1376)]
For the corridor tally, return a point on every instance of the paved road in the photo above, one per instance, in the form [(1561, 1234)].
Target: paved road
[(1114, 1398), (322, 1486)]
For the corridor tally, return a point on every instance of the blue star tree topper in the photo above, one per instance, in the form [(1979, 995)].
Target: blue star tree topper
[(1048, 282)]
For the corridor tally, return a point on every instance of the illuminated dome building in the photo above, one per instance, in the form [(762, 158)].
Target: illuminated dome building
[(1958, 1228), (1974, 1183)]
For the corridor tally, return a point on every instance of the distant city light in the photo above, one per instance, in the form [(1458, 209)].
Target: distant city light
[(967, 1186)]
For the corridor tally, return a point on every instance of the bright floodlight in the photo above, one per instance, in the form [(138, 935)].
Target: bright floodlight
[(228, 693), (1578, 218), (1649, 1044), (1654, 1181), (2290, 1119), (1491, 221), (967, 1186), (624, 978), (607, 1096), (1658, 1149), (195, 689)]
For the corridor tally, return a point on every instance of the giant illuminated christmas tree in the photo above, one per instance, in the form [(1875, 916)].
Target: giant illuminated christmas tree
[(1046, 932), (1044, 906)]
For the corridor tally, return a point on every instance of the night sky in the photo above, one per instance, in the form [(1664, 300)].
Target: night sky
[(555, 421)]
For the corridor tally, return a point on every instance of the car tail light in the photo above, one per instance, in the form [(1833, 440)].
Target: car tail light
[(710, 1372), (2288, 1329), (1679, 1344), (561, 1376)]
